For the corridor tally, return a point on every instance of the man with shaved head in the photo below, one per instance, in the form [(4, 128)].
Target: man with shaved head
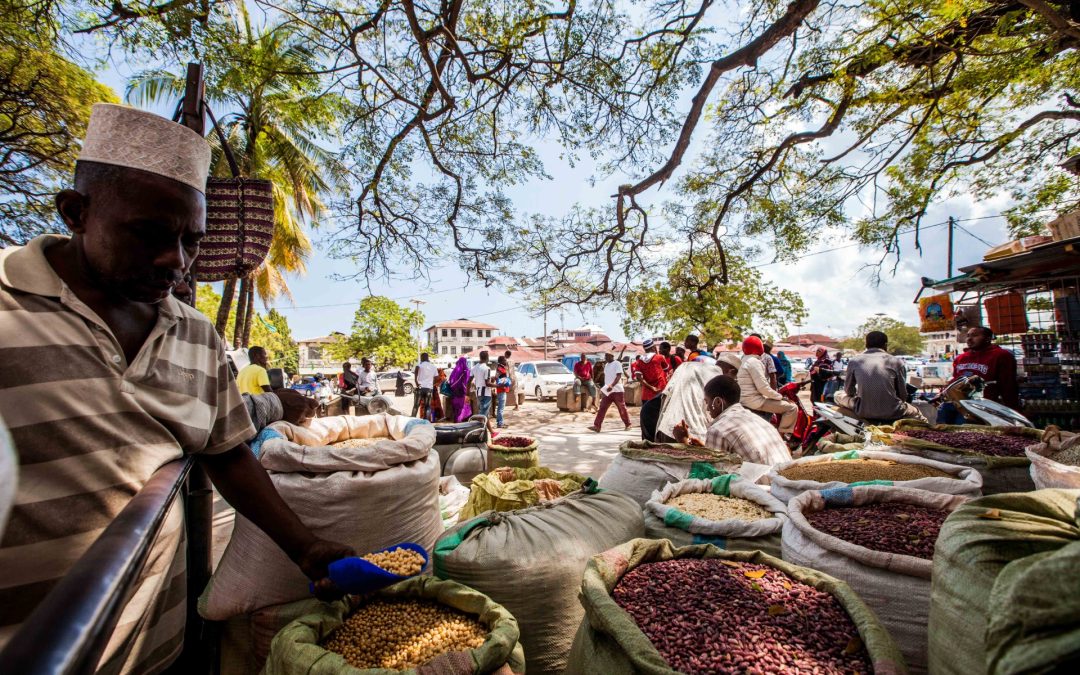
[(106, 377)]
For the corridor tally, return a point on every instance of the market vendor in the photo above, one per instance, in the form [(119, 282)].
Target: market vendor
[(106, 377), (994, 364), (734, 428)]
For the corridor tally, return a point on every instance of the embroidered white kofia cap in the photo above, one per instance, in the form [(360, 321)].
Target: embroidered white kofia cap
[(124, 136)]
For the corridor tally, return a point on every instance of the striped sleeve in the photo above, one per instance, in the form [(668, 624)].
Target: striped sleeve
[(233, 425)]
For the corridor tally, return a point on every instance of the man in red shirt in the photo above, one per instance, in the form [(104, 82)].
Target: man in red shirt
[(673, 361), (990, 362), (651, 371), (583, 372)]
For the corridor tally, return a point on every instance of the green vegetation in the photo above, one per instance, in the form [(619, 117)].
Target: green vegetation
[(383, 331), (271, 331), (903, 339)]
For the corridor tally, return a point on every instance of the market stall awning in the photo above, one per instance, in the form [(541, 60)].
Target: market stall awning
[(1044, 263)]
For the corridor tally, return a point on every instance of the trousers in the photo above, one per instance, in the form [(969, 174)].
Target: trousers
[(619, 400)]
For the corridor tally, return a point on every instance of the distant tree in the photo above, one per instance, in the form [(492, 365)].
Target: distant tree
[(271, 332), (383, 331), (903, 339), (45, 103), (686, 303)]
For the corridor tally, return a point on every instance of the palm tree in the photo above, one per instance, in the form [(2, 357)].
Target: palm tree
[(274, 108)]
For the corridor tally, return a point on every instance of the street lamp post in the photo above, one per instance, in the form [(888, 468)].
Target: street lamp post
[(419, 325)]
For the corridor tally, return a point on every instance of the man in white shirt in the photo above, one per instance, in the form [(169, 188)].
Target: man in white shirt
[(424, 373), (612, 392), (481, 377), (366, 384)]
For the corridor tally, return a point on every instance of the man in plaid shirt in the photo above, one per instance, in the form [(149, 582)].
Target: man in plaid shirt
[(734, 428)]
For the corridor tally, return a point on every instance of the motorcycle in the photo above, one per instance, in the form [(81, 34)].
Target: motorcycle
[(966, 394)]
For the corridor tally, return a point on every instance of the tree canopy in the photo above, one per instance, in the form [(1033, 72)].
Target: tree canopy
[(903, 339), (271, 332), (769, 122), (383, 331)]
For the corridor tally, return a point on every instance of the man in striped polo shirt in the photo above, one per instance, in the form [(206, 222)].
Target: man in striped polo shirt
[(105, 377)]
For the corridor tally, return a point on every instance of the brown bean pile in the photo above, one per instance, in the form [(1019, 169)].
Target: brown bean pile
[(889, 527), (401, 561), (857, 470), (719, 616), (1071, 456), (995, 445), (359, 442), (684, 453), (715, 507), (402, 634)]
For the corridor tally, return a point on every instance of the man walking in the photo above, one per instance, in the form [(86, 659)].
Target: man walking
[(425, 385), (253, 378), (612, 391), (583, 380), (875, 389), (481, 374)]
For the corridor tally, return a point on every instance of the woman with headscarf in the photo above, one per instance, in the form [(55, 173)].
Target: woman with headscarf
[(785, 368), (757, 394), (821, 371), (459, 391), (436, 400)]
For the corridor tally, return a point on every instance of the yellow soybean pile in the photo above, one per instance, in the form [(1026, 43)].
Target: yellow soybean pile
[(402, 634), (400, 561)]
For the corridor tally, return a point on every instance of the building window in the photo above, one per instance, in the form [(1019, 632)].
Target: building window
[(314, 353), (466, 332), (453, 349), (444, 332), (453, 332), (466, 350), (488, 333)]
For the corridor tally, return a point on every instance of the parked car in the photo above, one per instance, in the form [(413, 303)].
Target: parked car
[(388, 382), (543, 379)]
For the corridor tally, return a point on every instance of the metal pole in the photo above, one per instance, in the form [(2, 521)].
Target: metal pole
[(545, 333), (419, 326), (952, 223)]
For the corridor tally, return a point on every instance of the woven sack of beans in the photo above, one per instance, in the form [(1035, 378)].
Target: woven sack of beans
[(894, 584), (509, 488), (845, 469), (298, 649), (1055, 461), (642, 467), (522, 452), (756, 524), (530, 561), (366, 495), (801, 610), (1004, 597), (1000, 473)]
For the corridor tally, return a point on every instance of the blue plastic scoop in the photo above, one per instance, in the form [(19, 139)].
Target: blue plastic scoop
[(357, 576)]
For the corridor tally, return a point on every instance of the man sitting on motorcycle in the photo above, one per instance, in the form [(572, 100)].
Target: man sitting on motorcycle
[(875, 389), (756, 392), (984, 359)]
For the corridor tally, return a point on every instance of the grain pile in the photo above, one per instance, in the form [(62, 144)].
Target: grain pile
[(858, 470), (769, 622), (359, 442), (715, 507), (1071, 456), (889, 527), (403, 634), (400, 561), (983, 443)]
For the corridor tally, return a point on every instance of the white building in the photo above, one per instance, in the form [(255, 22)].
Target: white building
[(943, 344), (313, 358), (450, 339), (562, 336)]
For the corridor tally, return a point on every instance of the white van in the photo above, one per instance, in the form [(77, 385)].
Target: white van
[(543, 379)]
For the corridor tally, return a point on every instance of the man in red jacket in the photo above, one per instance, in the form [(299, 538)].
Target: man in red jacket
[(651, 371), (990, 362)]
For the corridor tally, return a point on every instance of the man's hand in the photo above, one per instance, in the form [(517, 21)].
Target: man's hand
[(681, 432), (314, 562)]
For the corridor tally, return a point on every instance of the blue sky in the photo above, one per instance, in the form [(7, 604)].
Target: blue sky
[(834, 284)]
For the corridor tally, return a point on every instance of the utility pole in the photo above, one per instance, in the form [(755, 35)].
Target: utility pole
[(419, 326), (545, 332), (952, 224)]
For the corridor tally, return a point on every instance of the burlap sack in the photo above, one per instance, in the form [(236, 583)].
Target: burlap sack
[(608, 640), (296, 649), (530, 562), (986, 617), (896, 587), (682, 529), (367, 497), (999, 474), (509, 488), (639, 469), (1045, 472), (966, 481)]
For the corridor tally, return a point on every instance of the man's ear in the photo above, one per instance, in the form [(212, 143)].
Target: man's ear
[(71, 205)]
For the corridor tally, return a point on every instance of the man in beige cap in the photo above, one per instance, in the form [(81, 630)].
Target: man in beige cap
[(105, 377)]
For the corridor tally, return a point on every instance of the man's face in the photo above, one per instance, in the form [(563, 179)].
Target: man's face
[(690, 344), (262, 360), (976, 338), (608, 358), (727, 369), (139, 235), (366, 365)]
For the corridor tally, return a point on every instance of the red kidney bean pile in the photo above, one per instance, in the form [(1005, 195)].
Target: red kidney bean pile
[(512, 442), (720, 616), (997, 445), (889, 527)]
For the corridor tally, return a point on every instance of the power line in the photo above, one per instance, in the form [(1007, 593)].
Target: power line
[(975, 235)]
